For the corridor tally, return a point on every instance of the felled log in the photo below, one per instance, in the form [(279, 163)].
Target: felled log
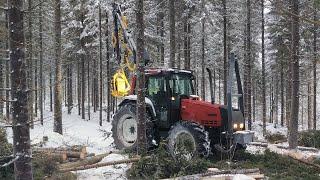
[(82, 149), (58, 157), (124, 161), (70, 154), (212, 173), (297, 156), (301, 148), (261, 144), (85, 162), (231, 176)]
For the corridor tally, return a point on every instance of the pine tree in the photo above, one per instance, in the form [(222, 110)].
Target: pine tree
[(58, 66), (141, 106), (21, 125), (264, 119), (315, 56), (293, 130), (172, 33)]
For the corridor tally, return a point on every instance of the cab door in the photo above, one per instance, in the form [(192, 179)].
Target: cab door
[(158, 92)]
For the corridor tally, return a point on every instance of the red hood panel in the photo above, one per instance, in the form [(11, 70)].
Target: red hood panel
[(201, 112)]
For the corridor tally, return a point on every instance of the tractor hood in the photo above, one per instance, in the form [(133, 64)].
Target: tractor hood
[(202, 112), (208, 114)]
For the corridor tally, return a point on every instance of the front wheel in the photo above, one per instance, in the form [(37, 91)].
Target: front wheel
[(187, 139), (125, 128)]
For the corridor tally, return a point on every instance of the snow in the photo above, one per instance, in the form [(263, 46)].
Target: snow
[(271, 129), (77, 131), (257, 127), (98, 140), (109, 172)]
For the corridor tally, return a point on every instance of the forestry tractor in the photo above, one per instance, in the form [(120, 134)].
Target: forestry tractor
[(174, 113)]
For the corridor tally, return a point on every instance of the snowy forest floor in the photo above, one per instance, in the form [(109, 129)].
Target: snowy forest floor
[(98, 140), (77, 131)]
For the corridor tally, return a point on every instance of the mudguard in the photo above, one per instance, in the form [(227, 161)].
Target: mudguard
[(134, 98)]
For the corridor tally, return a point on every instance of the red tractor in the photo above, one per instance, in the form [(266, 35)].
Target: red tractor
[(176, 114)]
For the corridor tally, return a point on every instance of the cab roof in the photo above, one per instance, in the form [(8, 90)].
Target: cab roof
[(166, 70)]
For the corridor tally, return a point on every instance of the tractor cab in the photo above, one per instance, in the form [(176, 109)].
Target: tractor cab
[(165, 88)]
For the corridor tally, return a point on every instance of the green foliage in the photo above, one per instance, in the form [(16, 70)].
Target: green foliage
[(273, 165), (309, 138), (5, 151), (5, 148), (44, 165), (163, 165), (275, 137)]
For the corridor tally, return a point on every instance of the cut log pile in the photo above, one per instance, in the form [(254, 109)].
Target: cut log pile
[(76, 158), (63, 154)]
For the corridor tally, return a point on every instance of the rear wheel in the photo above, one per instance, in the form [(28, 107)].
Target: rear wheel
[(188, 140), (125, 128)]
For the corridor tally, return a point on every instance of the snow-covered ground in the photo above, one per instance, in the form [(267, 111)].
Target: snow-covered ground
[(98, 140), (271, 129), (77, 131)]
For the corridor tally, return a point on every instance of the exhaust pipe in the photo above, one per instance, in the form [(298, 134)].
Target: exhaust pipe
[(211, 88)]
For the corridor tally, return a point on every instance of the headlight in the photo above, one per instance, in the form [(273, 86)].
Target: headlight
[(241, 125), (235, 126)]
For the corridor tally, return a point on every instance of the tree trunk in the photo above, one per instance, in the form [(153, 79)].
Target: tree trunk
[(288, 94), (21, 133), (172, 33), (254, 101), (50, 87), (95, 88), (293, 130), (161, 32), (282, 92), (30, 62), (41, 86), (276, 103), (141, 106), (214, 84), (83, 87), (79, 88), (309, 106), (69, 88), (7, 83), (58, 75), (302, 110), (108, 68), (35, 79), (187, 33), (88, 76), (7, 67), (2, 88), (219, 85), (100, 67), (203, 87), (315, 29), (225, 51), (271, 101), (264, 108), (179, 56), (247, 70)]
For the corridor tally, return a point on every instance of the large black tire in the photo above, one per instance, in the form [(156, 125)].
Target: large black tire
[(126, 114), (187, 139)]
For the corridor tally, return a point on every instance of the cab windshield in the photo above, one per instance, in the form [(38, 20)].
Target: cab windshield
[(181, 84)]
